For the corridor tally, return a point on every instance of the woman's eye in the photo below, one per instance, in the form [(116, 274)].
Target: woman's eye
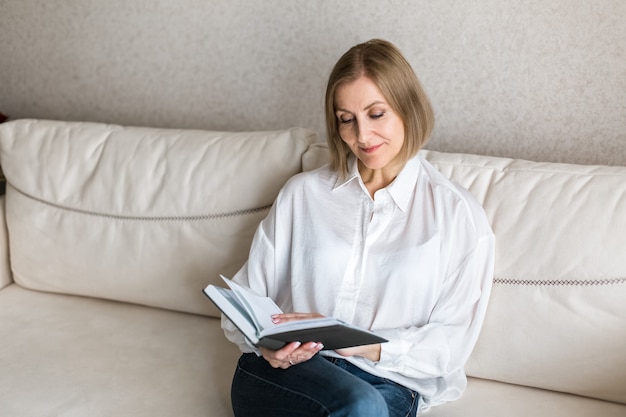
[(345, 121), (377, 115)]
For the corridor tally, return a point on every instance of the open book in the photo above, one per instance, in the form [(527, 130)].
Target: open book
[(252, 315)]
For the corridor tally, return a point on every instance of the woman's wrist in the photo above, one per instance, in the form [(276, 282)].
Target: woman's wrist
[(371, 352), (374, 352)]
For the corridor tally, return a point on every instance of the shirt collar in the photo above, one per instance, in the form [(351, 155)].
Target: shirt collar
[(400, 190), (353, 173)]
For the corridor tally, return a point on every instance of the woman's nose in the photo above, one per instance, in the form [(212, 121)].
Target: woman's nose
[(363, 131)]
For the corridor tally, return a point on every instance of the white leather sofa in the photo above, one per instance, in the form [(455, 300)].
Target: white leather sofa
[(110, 233)]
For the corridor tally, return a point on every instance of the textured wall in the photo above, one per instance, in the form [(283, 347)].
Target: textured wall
[(536, 79)]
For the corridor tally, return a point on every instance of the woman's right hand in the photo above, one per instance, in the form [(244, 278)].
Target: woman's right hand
[(291, 354), (295, 352)]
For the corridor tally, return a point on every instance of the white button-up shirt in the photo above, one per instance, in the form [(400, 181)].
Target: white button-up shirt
[(414, 265)]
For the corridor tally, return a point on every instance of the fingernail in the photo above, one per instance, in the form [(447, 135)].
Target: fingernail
[(319, 346)]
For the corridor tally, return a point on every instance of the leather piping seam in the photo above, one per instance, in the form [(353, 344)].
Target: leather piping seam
[(157, 218)]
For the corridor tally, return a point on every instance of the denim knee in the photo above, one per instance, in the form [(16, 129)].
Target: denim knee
[(362, 402)]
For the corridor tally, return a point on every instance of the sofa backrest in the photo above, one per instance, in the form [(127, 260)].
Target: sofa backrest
[(141, 215), (557, 313)]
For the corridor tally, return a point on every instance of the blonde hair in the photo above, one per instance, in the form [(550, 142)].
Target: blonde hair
[(382, 63)]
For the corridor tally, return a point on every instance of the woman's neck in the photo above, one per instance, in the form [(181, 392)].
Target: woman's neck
[(377, 179)]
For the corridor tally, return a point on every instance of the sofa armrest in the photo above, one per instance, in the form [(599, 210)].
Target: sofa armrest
[(5, 268)]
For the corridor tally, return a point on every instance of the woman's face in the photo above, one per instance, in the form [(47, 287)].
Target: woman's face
[(368, 125)]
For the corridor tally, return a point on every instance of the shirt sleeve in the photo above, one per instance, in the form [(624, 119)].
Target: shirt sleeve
[(444, 344), (235, 336)]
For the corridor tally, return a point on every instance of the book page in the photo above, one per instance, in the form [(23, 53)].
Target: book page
[(230, 306), (259, 308)]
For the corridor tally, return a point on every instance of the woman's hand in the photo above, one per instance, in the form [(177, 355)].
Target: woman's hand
[(295, 352), (291, 354), (286, 317), (371, 352)]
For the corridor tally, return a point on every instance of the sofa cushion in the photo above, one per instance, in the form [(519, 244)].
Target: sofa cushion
[(557, 313), (75, 356), (142, 215), (489, 398), (64, 355)]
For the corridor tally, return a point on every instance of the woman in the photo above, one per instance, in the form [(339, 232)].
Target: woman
[(377, 238)]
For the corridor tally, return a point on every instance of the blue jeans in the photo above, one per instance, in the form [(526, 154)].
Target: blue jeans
[(320, 387)]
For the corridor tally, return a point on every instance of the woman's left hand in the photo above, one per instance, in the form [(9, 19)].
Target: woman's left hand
[(371, 352)]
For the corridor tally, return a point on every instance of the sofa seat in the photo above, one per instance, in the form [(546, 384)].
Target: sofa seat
[(493, 398), (103, 358), (75, 356)]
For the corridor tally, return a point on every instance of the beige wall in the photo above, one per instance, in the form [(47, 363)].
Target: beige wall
[(536, 79)]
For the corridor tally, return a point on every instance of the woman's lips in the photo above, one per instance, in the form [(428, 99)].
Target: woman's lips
[(371, 148)]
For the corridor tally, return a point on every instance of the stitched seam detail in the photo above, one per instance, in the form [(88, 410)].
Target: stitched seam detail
[(540, 170), (560, 282), (189, 218)]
